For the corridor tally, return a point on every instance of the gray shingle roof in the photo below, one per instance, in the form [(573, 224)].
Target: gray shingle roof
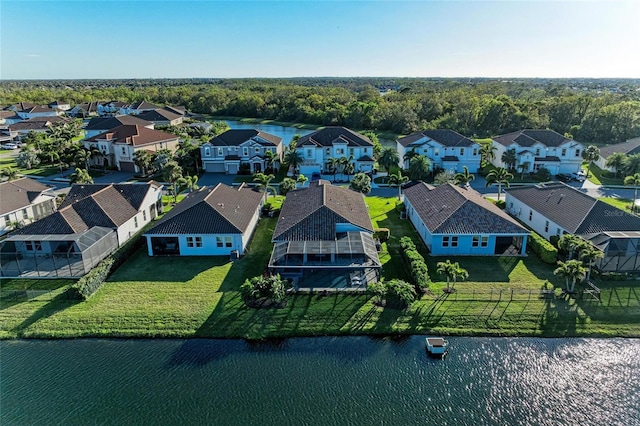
[(574, 210), (108, 123), (331, 134), (235, 137), (312, 213), (18, 194), (529, 137), (158, 115), (632, 146), (449, 209), (445, 137), (211, 210)]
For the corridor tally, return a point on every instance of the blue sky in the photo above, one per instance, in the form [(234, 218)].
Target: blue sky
[(156, 39)]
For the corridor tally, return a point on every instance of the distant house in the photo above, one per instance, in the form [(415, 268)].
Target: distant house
[(137, 108), (8, 117), (119, 145), (38, 111), (208, 222), (111, 108), (540, 148), (557, 209), (87, 109), (458, 221), (37, 124), (21, 106), (98, 125), (161, 117), (323, 238), (24, 201), (630, 147), (90, 224), (445, 149), (59, 105), (227, 151), (334, 142), (179, 110)]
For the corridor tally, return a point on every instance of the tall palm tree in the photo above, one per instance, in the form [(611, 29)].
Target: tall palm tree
[(616, 161), (464, 177), (269, 156), (499, 176), (389, 157), (487, 153), (82, 156), (80, 176), (633, 180), (302, 179), (142, 159), (293, 159), (397, 179), (571, 271), (419, 167), (632, 164), (590, 154), (263, 182), (333, 166), (343, 162), (452, 271), (409, 155), (189, 183), (509, 158), (172, 172), (571, 244), (10, 173), (589, 254), (524, 166)]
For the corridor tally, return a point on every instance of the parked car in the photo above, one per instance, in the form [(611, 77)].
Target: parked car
[(580, 176), (9, 145), (563, 177)]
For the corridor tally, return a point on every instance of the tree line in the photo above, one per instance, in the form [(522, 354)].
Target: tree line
[(591, 112)]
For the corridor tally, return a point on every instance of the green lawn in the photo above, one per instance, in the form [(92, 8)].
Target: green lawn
[(621, 203), (602, 177), (36, 171), (187, 297)]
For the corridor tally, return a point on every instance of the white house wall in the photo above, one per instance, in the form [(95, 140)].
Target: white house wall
[(532, 218), (27, 214)]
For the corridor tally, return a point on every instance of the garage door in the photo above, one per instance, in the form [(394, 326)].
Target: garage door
[(214, 167), (127, 166), (233, 169)]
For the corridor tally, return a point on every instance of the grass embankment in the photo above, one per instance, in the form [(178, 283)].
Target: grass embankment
[(188, 297)]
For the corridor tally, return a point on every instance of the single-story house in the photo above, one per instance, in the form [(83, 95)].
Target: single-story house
[(209, 222), (23, 201), (630, 147), (556, 209), (227, 151), (91, 223), (324, 238), (457, 221), (161, 117)]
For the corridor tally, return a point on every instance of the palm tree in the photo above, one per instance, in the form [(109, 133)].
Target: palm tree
[(287, 185), (389, 157), (293, 159), (589, 254), (409, 155), (343, 162), (269, 156), (590, 154), (464, 177), (571, 244), (452, 271), (82, 156), (632, 164), (616, 161), (263, 182), (633, 180), (333, 166), (9, 173), (509, 158), (397, 179), (419, 167), (571, 271), (302, 179), (187, 183), (487, 153), (172, 172), (524, 166), (80, 176), (142, 159), (499, 176)]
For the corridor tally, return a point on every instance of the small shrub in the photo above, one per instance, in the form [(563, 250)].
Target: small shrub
[(90, 283), (401, 293), (382, 234), (501, 204)]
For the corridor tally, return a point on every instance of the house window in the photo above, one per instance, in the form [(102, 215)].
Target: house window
[(445, 241), (577, 153), (227, 241), (484, 242), (537, 152), (476, 241), (135, 221), (454, 241), (366, 151), (475, 152), (257, 150), (144, 215), (245, 151), (564, 152), (558, 232), (219, 242), (351, 151), (530, 215), (219, 151), (24, 214), (198, 241), (328, 151), (33, 245), (6, 219), (189, 241), (436, 152), (207, 152), (461, 151), (309, 153), (546, 226), (340, 151), (124, 151)]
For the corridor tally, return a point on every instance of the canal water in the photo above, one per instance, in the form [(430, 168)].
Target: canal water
[(320, 381)]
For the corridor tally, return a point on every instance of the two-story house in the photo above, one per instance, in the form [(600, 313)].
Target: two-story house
[(110, 107), (119, 145), (161, 117), (539, 148), (98, 125), (445, 149), (319, 147), (227, 151), (38, 111)]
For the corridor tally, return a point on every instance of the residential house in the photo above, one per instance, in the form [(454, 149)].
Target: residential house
[(446, 149), (37, 124), (111, 108), (21, 106), (24, 201), (179, 110), (38, 111), (161, 117), (555, 209), (119, 145), (98, 125), (323, 238), (539, 148), (87, 109), (334, 142), (227, 151), (137, 108), (59, 105), (90, 224), (630, 147), (8, 117), (208, 222), (456, 221)]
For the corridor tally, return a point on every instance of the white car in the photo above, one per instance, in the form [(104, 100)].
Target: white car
[(10, 146), (580, 176)]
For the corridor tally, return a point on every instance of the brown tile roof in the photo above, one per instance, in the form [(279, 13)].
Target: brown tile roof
[(18, 194), (36, 123), (574, 210), (235, 137), (86, 206), (331, 134), (219, 210), (21, 106), (144, 105), (632, 146), (158, 115), (312, 213), (108, 123), (450, 209), (444, 137), (134, 135), (528, 137)]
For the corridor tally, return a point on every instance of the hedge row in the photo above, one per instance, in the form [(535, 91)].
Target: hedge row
[(543, 248), (417, 266)]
